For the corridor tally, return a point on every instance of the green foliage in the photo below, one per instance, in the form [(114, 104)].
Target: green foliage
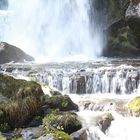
[(4, 127)]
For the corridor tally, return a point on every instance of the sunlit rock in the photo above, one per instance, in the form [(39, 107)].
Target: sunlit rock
[(134, 107)]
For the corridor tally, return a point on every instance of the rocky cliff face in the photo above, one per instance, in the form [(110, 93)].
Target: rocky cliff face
[(122, 35), (133, 18)]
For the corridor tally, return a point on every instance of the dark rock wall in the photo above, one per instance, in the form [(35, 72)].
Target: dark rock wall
[(121, 39)]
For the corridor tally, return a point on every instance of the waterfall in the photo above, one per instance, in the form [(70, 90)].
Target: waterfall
[(53, 30)]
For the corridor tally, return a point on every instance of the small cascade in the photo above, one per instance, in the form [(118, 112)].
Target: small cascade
[(99, 88), (123, 79)]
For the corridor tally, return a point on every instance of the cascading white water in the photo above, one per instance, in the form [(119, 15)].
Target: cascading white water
[(53, 29), (113, 80)]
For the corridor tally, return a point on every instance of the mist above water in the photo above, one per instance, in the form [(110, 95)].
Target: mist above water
[(52, 30)]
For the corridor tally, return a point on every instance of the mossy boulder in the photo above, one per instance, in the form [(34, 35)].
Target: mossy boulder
[(20, 101), (10, 53), (67, 122), (134, 106), (61, 102)]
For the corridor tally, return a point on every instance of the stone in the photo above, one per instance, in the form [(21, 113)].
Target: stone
[(133, 18), (61, 102), (105, 121), (20, 101), (9, 53), (67, 122), (80, 134)]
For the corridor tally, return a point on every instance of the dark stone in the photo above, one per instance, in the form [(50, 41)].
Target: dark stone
[(61, 102), (133, 18), (67, 122), (105, 121), (78, 84), (80, 134), (10, 53)]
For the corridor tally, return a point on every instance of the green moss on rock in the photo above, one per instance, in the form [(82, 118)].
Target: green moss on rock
[(134, 106), (67, 122), (20, 101), (62, 102)]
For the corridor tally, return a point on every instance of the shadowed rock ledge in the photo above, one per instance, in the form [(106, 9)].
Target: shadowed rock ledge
[(10, 53)]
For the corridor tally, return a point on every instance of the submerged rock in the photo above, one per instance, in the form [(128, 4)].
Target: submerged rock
[(10, 53)]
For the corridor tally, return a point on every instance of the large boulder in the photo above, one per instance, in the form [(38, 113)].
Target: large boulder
[(133, 18), (20, 101), (10, 53)]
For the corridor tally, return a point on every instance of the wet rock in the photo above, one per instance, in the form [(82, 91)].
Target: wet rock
[(78, 84), (67, 122), (105, 121), (32, 132), (80, 134), (10, 53), (86, 104), (133, 18), (61, 102), (46, 137)]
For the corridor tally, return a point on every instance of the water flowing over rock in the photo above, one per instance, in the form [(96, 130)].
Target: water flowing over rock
[(122, 79)]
